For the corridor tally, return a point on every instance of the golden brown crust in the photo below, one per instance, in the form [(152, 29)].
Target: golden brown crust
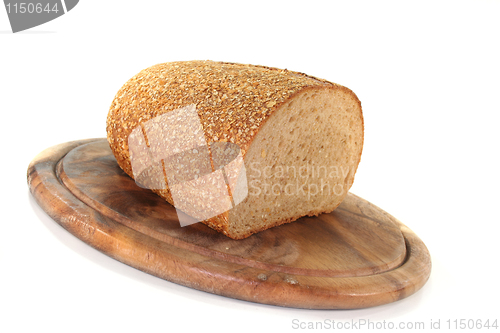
[(232, 100)]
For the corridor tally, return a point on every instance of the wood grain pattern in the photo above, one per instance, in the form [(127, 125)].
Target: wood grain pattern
[(357, 256)]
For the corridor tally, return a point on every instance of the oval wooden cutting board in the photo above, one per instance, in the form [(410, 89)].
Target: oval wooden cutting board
[(357, 256)]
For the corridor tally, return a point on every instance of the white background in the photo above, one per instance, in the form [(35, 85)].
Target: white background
[(427, 74)]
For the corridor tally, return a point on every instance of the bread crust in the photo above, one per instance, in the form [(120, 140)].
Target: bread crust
[(232, 100)]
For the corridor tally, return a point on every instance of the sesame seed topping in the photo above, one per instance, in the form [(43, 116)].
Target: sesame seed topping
[(232, 100)]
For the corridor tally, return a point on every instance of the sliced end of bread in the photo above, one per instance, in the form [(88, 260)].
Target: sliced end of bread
[(301, 162)]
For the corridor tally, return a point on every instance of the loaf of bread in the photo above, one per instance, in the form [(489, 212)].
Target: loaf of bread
[(241, 148)]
